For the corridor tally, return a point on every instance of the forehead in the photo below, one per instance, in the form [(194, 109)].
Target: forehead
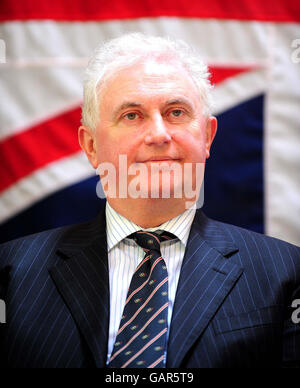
[(148, 79)]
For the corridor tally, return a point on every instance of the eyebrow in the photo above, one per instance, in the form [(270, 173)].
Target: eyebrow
[(125, 105), (133, 104), (180, 101)]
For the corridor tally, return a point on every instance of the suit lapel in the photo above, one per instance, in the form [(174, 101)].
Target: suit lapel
[(206, 278), (81, 277)]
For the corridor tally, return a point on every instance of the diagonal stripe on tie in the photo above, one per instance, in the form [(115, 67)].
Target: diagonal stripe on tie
[(139, 288), (141, 338), (140, 309), (145, 347), (156, 362), (137, 334)]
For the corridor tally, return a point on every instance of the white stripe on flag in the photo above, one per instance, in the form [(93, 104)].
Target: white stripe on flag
[(53, 177), (65, 47)]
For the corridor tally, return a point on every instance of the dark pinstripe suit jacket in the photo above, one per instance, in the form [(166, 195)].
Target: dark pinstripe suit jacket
[(231, 308)]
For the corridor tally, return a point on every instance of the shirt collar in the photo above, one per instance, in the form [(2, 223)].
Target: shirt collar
[(119, 227)]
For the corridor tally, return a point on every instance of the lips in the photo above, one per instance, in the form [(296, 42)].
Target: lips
[(160, 159)]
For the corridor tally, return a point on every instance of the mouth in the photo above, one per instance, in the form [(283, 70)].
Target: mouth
[(161, 159)]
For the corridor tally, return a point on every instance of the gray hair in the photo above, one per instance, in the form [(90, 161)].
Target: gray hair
[(129, 49)]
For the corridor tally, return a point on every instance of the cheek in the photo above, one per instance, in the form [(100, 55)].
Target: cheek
[(110, 147), (192, 145), (106, 148)]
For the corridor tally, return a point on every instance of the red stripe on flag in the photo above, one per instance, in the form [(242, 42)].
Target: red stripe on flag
[(220, 74), (88, 10), (56, 138), (34, 148)]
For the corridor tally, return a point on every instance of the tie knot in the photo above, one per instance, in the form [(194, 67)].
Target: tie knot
[(151, 240)]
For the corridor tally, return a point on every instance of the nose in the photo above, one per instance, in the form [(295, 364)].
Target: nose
[(157, 133)]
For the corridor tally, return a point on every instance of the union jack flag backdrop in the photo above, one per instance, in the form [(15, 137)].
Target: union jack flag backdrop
[(251, 46)]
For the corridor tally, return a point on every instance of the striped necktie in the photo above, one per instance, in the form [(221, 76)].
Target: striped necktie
[(142, 336)]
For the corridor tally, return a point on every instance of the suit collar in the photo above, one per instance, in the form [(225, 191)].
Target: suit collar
[(119, 227), (214, 234), (207, 277)]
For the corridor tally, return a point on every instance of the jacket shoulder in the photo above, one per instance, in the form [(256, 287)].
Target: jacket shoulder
[(238, 233), (246, 241), (257, 246), (44, 243), (13, 251), (246, 235)]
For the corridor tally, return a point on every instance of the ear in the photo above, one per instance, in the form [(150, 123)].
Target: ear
[(87, 141), (211, 130)]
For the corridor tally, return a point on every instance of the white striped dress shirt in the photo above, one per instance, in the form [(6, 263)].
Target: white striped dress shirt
[(124, 255)]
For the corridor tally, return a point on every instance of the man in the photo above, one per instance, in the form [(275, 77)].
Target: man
[(81, 296)]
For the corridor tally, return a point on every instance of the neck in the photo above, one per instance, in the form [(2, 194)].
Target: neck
[(148, 213)]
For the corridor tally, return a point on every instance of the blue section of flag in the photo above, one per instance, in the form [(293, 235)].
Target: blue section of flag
[(233, 182), (71, 205), (234, 173)]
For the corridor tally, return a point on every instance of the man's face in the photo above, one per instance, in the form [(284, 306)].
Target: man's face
[(151, 113)]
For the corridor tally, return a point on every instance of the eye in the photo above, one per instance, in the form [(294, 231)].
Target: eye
[(176, 112), (131, 116)]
